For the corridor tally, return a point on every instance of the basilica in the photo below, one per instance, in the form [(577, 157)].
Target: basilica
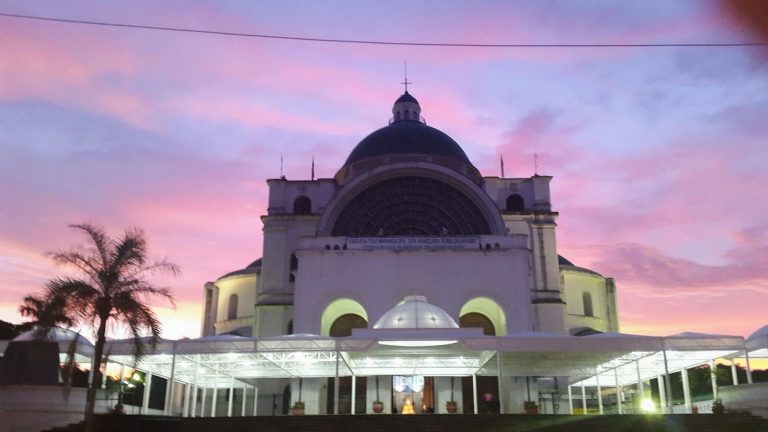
[(409, 235)]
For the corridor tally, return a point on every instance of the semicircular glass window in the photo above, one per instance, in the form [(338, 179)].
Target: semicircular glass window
[(410, 206)]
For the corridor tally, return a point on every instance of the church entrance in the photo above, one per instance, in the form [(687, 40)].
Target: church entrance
[(345, 395), (487, 395), (413, 394)]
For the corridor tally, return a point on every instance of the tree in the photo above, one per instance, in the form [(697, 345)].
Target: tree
[(113, 287), (39, 362), (47, 312)]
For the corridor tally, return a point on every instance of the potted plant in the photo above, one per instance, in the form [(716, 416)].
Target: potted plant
[(378, 405), (718, 407), (531, 407), (297, 408), (451, 405)]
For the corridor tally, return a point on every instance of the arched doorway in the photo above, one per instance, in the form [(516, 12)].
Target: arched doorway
[(475, 319), (342, 327), (344, 324)]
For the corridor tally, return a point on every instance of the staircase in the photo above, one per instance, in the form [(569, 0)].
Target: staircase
[(433, 423)]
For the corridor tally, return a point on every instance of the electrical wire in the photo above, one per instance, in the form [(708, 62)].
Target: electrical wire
[(380, 42)]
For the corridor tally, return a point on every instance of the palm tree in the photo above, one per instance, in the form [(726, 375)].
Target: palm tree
[(48, 312), (113, 287)]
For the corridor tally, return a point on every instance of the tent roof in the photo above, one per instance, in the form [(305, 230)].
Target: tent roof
[(467, 352)]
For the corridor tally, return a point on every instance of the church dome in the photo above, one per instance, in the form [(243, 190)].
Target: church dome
[(415, 313), (407, 137), (407, 134)]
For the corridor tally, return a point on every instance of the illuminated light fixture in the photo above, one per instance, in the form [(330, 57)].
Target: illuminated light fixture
[(417, 343), (647, 405)]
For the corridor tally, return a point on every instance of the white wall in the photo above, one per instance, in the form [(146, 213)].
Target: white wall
[(575, 283), (379, 280), (245, 288)]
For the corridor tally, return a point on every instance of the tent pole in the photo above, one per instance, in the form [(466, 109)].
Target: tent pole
[(193, 410), (583, 398), (474, 391), (686, 390), (662, 393), (570, 399), (640, 389), (202, 403), (354, 393), (599, 393), (185, 404), (336, 387), (713, 377), (498, 373), (619, 405), (215, 393), (245, 394), (231, 397), (667, 382), (749, 368), (147, 390), (168, 409)]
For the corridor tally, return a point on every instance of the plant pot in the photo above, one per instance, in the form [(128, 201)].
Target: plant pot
[(297, 411), (451, 407), (694, 409), (378, 407), (531, 409)]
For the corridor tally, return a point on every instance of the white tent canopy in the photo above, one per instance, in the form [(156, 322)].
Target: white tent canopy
[(213, 360)]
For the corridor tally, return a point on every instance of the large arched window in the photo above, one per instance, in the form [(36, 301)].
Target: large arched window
[(302, 205), (232, 307), (587, 300), (410, 206), (515, 203)]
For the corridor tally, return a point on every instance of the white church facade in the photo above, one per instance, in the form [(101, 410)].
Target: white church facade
[(409, 215)]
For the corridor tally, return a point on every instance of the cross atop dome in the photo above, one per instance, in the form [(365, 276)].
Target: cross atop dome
[(405, 76), (405, 83)]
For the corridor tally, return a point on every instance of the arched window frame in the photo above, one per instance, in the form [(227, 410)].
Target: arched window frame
[(515, 202), (586, 299), (302, 205)]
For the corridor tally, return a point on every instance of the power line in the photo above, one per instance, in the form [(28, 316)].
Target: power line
[(380, 42)]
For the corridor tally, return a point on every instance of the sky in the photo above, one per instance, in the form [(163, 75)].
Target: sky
[(657, 155)]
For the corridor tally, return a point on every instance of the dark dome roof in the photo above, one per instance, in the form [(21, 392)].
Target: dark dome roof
[(252, 268), (564, 261), (406, 97), (407, 137)]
